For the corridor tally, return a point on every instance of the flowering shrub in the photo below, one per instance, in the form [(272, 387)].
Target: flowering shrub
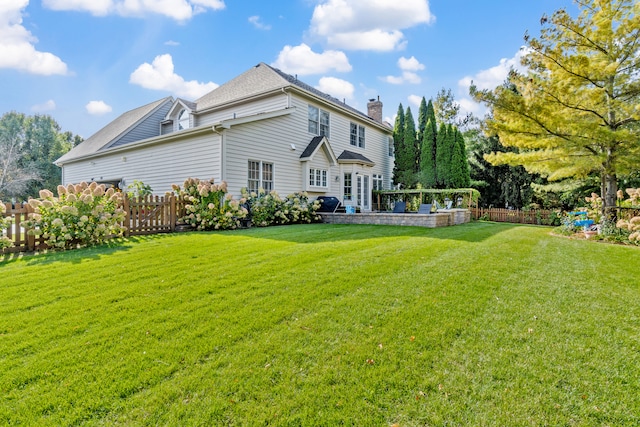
[(209, 207), (595, 207), (82, 214), (632, 226), (5, 223), (270, 209)]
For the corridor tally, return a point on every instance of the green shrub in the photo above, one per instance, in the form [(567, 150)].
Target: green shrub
[(81, 215), (209, 207), (5, 223), (270, 209)]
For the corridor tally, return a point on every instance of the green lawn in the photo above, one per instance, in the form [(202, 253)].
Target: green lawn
[(475, 325)]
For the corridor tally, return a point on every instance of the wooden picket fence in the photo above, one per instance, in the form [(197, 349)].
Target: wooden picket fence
[(538, 216), (148, 215)]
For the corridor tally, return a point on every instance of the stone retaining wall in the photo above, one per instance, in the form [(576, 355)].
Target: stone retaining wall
[(442, 218)]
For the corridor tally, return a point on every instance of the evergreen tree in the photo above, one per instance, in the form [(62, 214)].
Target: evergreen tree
[(408, 158), (423, 118), (398, 142), (428, 156), (443, 156), (459, 170)]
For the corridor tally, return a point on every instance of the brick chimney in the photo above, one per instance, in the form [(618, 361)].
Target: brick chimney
[(374, 109)]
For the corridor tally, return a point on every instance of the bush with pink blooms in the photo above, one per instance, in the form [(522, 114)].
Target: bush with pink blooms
[(82, 214), (270, 209), (631, 225), (209, 206), (5, 222)]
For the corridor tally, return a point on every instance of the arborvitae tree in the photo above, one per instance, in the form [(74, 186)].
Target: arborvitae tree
[(443, 156), (422, 118), (398, 142), (428, 156), (459, 171), (407, 164)]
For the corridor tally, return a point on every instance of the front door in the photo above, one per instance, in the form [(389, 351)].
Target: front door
[(363, 193)]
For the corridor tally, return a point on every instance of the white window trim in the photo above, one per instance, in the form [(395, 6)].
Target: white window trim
[(261, 177), (318, 178), (318, 124)]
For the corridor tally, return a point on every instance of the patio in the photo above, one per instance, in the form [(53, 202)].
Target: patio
[(442, 218)]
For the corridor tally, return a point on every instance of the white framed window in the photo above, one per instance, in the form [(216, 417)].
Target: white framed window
[(183, 120), (260, 175), (391, 147), (348, 186), (377, 182), (357, 135), (317, 177), (318, 121)]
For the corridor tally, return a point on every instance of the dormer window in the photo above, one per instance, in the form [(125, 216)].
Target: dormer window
[(183, 120)]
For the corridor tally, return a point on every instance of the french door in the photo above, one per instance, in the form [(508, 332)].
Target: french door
[(363, 193)]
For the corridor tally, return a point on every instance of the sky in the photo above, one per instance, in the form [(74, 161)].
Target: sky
[(85, 62)]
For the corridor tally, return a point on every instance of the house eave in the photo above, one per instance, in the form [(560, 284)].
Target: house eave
[(174, 136)]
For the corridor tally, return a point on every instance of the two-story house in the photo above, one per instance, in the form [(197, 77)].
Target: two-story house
[(263, 129)]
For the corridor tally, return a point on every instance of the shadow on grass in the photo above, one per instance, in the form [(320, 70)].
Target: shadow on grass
[(315, 233), (76, 256)]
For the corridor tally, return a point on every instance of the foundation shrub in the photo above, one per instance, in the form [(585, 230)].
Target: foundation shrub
[(82, 215), (209, 206)]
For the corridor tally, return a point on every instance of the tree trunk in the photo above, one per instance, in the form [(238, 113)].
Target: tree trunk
[(609, 188)]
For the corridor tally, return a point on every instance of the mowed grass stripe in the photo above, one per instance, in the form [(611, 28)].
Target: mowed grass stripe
[(320, 325)]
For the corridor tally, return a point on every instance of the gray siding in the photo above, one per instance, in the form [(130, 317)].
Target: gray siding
[(159, 166), (273, 103), (148, 128)]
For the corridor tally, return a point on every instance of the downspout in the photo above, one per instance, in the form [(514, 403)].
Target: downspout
[(284, 91), (223, 152)]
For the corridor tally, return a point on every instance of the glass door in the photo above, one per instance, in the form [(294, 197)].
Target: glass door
[(363, 192)]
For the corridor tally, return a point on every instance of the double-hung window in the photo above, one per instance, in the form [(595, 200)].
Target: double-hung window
[(260, 176), (317, 177), (377, 182), (357, 135), (318, 121)]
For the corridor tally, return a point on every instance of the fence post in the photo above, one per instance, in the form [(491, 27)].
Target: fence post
[(30, 238), (127, 214), (172, 213)]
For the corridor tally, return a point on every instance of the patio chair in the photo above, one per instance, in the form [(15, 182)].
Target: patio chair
[(425, 208), (399, 207)]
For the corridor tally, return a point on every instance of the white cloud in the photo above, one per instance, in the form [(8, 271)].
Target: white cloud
[(368, 25), (98, 108), (160, 75), (180, 10), (302, 60), (17, 50), (49, 105), (494, 76), (415, 100), (257, 22), (171, 43), (410, 64), (468, 105), (338, 88), (408, 67)]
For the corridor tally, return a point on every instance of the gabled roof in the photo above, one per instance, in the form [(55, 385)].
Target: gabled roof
[(317, 143), (113, 130), (259, 79), (351, 157)]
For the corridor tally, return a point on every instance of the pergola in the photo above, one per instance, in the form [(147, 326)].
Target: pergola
[(459, 197)]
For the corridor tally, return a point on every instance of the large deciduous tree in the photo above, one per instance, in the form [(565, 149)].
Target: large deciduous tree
[(28, 147), (574, 112)]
